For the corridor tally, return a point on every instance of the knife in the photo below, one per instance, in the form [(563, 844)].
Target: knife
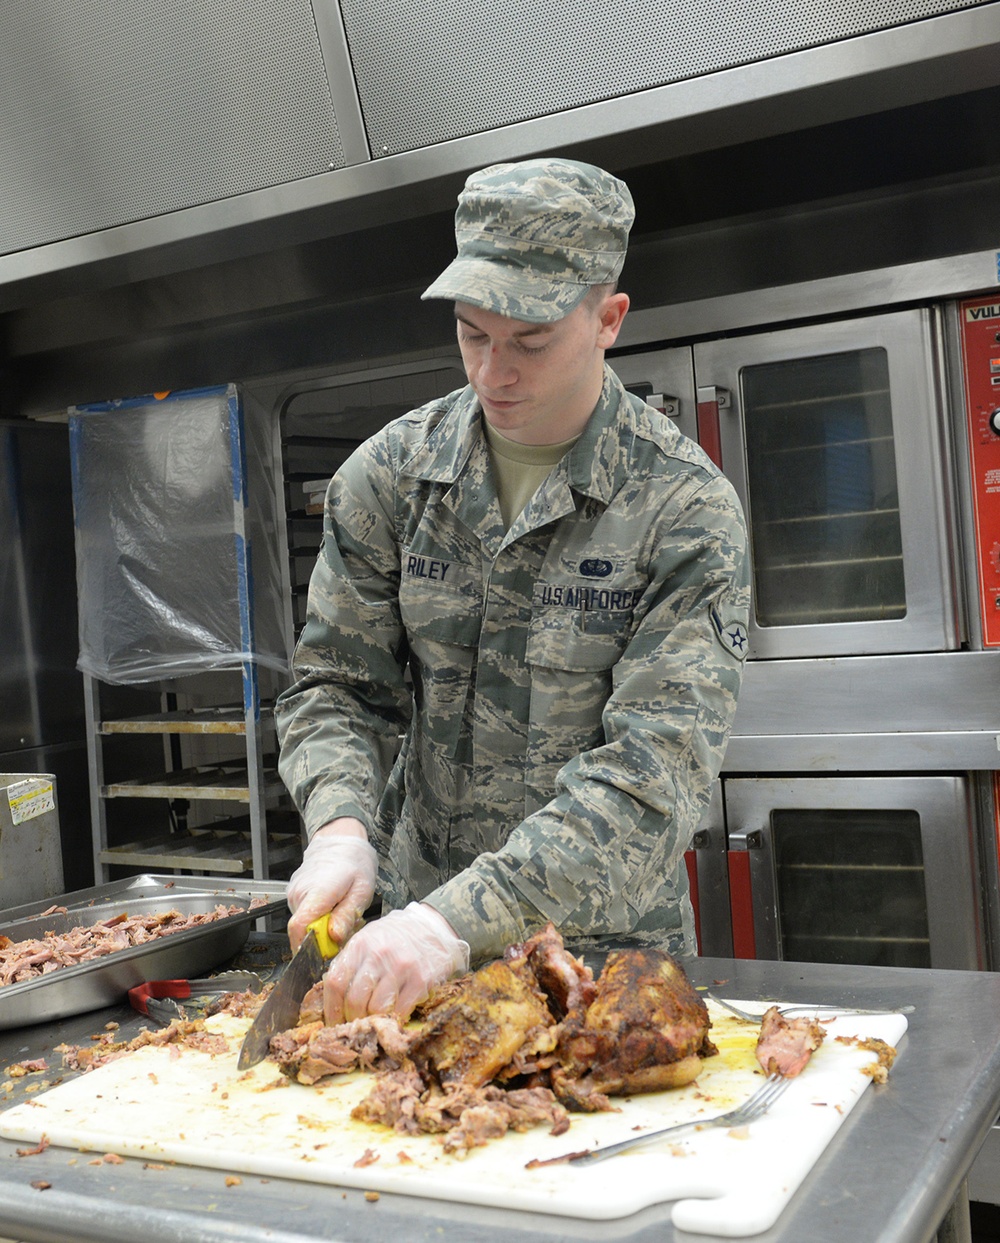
[(281, 1009)]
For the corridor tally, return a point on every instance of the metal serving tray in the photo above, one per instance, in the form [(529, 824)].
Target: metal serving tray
[(105, 981)]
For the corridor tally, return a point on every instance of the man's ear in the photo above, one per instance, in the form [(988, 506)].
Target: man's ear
[(611, 315)]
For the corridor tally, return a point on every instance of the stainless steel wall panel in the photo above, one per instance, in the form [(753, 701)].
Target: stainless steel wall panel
[(923, 61), (909, 712), (920, 692), (41, 696), (434, 70), (112, 111)]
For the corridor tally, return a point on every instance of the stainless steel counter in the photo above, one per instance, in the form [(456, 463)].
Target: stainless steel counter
[(890, 1175)]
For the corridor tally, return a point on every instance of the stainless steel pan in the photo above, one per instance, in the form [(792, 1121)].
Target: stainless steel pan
[(103, 981)]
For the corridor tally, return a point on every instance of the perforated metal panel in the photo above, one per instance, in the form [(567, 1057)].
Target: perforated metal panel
[(430, 70), (115, 110)]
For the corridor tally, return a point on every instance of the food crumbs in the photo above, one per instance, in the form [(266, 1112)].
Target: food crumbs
[(404, 1158), (371, 1196), (42, 1144), (879, 1071), (41, 1185), (153, 1165), (152, 1077), (233, 1181), (108, 1027), (367, 1158), (739, 1132), (112, 1158)]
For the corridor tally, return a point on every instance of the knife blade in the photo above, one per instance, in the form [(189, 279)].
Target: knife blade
[(281, 1009)]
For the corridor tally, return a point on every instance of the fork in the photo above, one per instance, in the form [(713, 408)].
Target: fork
[(751, 1109), (806, 1008)]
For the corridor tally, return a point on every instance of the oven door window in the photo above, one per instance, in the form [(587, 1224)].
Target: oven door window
[(824, 505), (851, 887)]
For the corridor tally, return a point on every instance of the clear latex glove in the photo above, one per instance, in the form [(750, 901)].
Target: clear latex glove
[(337, 875), (391, 965)]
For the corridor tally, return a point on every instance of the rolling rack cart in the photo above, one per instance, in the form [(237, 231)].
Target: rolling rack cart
[(182, 605)]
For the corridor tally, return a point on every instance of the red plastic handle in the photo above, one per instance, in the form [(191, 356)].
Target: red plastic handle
[(741, 904), (709, 433), (141, 993)]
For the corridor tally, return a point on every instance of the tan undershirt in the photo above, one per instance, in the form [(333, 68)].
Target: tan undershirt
[(520, 470)]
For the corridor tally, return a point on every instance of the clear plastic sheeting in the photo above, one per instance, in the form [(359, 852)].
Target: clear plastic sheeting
[(176, 511)]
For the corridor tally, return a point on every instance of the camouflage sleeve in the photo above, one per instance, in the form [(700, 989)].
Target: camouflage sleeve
[(339, 723), (605, 855)]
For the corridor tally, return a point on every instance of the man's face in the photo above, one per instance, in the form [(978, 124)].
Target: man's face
[(538, 383)]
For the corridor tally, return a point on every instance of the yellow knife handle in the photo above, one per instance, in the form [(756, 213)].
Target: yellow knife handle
[(327, 946)]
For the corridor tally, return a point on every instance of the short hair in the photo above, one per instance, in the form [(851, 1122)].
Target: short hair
[(597, 293)]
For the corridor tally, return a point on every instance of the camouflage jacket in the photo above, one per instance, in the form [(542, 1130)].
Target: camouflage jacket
[(565, 688)]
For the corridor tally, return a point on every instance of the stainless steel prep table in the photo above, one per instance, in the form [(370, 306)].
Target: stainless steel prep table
[(891, 1174)]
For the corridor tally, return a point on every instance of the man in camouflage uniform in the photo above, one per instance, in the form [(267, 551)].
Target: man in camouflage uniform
[(564, 576)]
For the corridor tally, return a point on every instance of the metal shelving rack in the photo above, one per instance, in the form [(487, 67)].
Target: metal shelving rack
[(216, 730), (235, 846)]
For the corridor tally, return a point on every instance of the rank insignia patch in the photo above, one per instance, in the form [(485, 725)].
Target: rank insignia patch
[(733, 637)]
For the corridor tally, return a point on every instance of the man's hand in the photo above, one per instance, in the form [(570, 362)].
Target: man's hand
[(336, 876), (391, 965)]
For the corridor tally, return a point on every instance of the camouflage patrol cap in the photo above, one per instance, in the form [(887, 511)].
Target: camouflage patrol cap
[(533, 237)]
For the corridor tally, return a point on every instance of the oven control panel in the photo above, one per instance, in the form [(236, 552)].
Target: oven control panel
[(980, 330)]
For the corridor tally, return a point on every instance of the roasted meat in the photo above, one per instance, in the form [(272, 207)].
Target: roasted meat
[(513, 1044), (646, 1030), (567, 982), (785, 1046), (472, 1035)]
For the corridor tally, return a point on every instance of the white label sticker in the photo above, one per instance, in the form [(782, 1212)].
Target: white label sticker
[(29, 799)]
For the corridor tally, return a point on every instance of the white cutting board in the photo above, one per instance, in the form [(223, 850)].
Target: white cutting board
[(179, 1104)]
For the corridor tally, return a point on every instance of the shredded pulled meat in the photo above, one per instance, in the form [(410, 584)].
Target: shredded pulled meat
[(190, 1032), (785, 1046), (514, 1045), (25, 960), (310, 1052)]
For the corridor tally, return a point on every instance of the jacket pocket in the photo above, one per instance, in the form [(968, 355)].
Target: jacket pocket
[(577, 641), (442, 631)]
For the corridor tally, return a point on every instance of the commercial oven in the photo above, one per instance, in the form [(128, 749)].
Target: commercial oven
[(855, 817), (873, 870), (833, 436)]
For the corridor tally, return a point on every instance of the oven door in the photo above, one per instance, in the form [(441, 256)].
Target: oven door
[(834, 437), (877, 871)]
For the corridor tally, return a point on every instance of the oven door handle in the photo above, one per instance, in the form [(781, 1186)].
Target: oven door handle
[(710, 401), (741, 842)]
